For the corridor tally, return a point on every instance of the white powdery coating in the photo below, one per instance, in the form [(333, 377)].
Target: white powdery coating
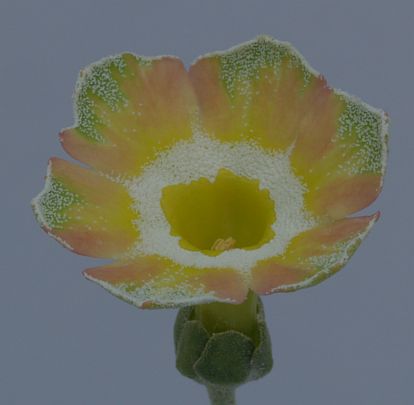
[(241, 63), (368, 127), (203, 157), (241, 66), (37, 202), (47, 206), (97, 81), (163, 296)]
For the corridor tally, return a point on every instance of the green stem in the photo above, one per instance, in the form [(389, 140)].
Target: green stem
[(220, 317), (220, 395)]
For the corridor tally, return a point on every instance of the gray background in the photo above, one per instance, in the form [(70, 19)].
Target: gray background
[(65, 341)]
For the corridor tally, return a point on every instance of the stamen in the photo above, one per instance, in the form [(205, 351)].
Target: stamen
[(224, 244)]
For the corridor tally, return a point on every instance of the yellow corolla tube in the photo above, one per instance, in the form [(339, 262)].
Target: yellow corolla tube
[(206, 214)]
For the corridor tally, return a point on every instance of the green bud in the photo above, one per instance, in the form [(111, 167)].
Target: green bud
[(223, 346)]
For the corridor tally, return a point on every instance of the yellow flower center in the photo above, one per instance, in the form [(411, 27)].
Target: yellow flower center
[(230, 212)]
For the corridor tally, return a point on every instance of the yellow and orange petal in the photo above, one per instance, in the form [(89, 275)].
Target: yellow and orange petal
[(154, 281), (85, 211), (263, 91), (128, 109), (312, 256)]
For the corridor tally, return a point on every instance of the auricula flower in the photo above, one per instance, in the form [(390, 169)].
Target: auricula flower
[(240, 173)]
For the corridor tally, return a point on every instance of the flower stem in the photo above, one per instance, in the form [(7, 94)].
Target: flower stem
[(219, 317), (220, 395)]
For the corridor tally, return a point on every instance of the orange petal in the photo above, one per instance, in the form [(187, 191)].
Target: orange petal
[(265, 92), (129, 109), (152, 281), (318, 124), (312, 256), (85, 211), (344, 195), (348, 175), (270, 275)]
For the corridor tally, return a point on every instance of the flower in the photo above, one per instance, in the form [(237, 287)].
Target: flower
[(240, 173)]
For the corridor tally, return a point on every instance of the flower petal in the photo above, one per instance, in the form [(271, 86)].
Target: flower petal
[(264, 91), (85, 211), (344, 195), (128, 109), (152, 281), (312, 256), (348, 175)]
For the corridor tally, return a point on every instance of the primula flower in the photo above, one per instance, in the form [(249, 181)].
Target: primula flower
[(240, 173)]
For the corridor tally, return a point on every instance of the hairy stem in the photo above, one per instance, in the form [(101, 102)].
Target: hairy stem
[(220, 395)]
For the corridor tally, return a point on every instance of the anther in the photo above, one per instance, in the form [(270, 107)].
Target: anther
[(224, 244)]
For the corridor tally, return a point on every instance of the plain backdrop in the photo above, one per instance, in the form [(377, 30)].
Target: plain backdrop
[(65, 341)]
